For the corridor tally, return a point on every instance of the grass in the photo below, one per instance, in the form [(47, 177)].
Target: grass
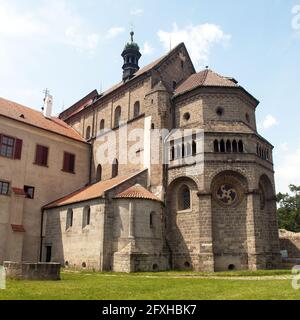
[(157, 286)]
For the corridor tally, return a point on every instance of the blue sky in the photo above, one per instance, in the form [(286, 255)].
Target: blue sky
[(73, 47)]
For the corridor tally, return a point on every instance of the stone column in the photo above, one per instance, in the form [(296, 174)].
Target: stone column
[(206, 236), (256, 257), (131, 233)]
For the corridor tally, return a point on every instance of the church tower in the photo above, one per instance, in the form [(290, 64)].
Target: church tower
[(131, 56)]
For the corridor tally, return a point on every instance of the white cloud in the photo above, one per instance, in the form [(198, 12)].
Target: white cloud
[(269, 122), (136, 12), (51, 22), (114, 32), (199, 39), (287, 169), (147, 50)]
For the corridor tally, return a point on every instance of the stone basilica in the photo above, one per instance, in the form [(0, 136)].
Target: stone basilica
[(64, 205)]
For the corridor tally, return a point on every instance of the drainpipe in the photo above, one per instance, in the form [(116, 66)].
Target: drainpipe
[(41, 242)]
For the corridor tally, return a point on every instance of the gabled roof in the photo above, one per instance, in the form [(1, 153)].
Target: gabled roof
[(20, 113), (91, 192), (155, 64), (137, 192), (205, 78)]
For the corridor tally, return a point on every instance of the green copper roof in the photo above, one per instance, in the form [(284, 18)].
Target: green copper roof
[(132, 45)]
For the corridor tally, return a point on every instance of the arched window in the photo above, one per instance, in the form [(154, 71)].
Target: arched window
[(86, 217), (115, 168), (222, 146), (137, 109), (152, 220), (228, 146), (172, 153), (234, 146), (88, 133), (194, 148), (102, 125), (69, 220), (241, 146), (216, 146), (99, 173), (117, 121), (184, 198), (183, 151)]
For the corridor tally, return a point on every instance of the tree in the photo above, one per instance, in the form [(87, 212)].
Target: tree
[(289, 209)]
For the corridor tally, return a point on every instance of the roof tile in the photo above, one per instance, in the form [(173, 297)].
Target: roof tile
[(137, 192), (35, 118), (205, 78)]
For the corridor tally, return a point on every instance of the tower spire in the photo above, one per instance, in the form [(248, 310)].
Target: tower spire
[(131, 55)]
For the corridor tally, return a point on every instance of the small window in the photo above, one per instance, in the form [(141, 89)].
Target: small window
[(4, 188), (194, 148), (117, 120), (102, 125), (228, 146), (187, 116), (222, 146), (41, 156), (69, 222), (88, 133), (216, 146), (99, 173), (115, 168), (184, 198), (7, 146), (182, 64), (241, 146), (29, 192), (137, 109), (220, 111), (86, 218), (69, 163), (152, 220), (234, 146), (152, 126)]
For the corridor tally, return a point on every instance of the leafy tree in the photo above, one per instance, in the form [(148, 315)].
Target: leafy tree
[(289, 209)]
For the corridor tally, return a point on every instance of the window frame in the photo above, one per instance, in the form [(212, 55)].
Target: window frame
[(7, 146), (36, 160), (70, 155), (26, 191), (2, 182), (180, 199)]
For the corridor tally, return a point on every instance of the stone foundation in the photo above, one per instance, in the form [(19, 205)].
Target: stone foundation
[(32, 271)]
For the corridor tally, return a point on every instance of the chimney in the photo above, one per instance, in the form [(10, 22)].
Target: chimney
[(48, 104)]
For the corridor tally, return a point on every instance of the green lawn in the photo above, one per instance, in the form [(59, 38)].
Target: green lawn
[(148, 286)]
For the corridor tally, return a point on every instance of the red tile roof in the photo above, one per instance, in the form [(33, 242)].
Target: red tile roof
[(17, 228), (36, 118), (94, 191), (19, 191), (206, 78), (137, 192)]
